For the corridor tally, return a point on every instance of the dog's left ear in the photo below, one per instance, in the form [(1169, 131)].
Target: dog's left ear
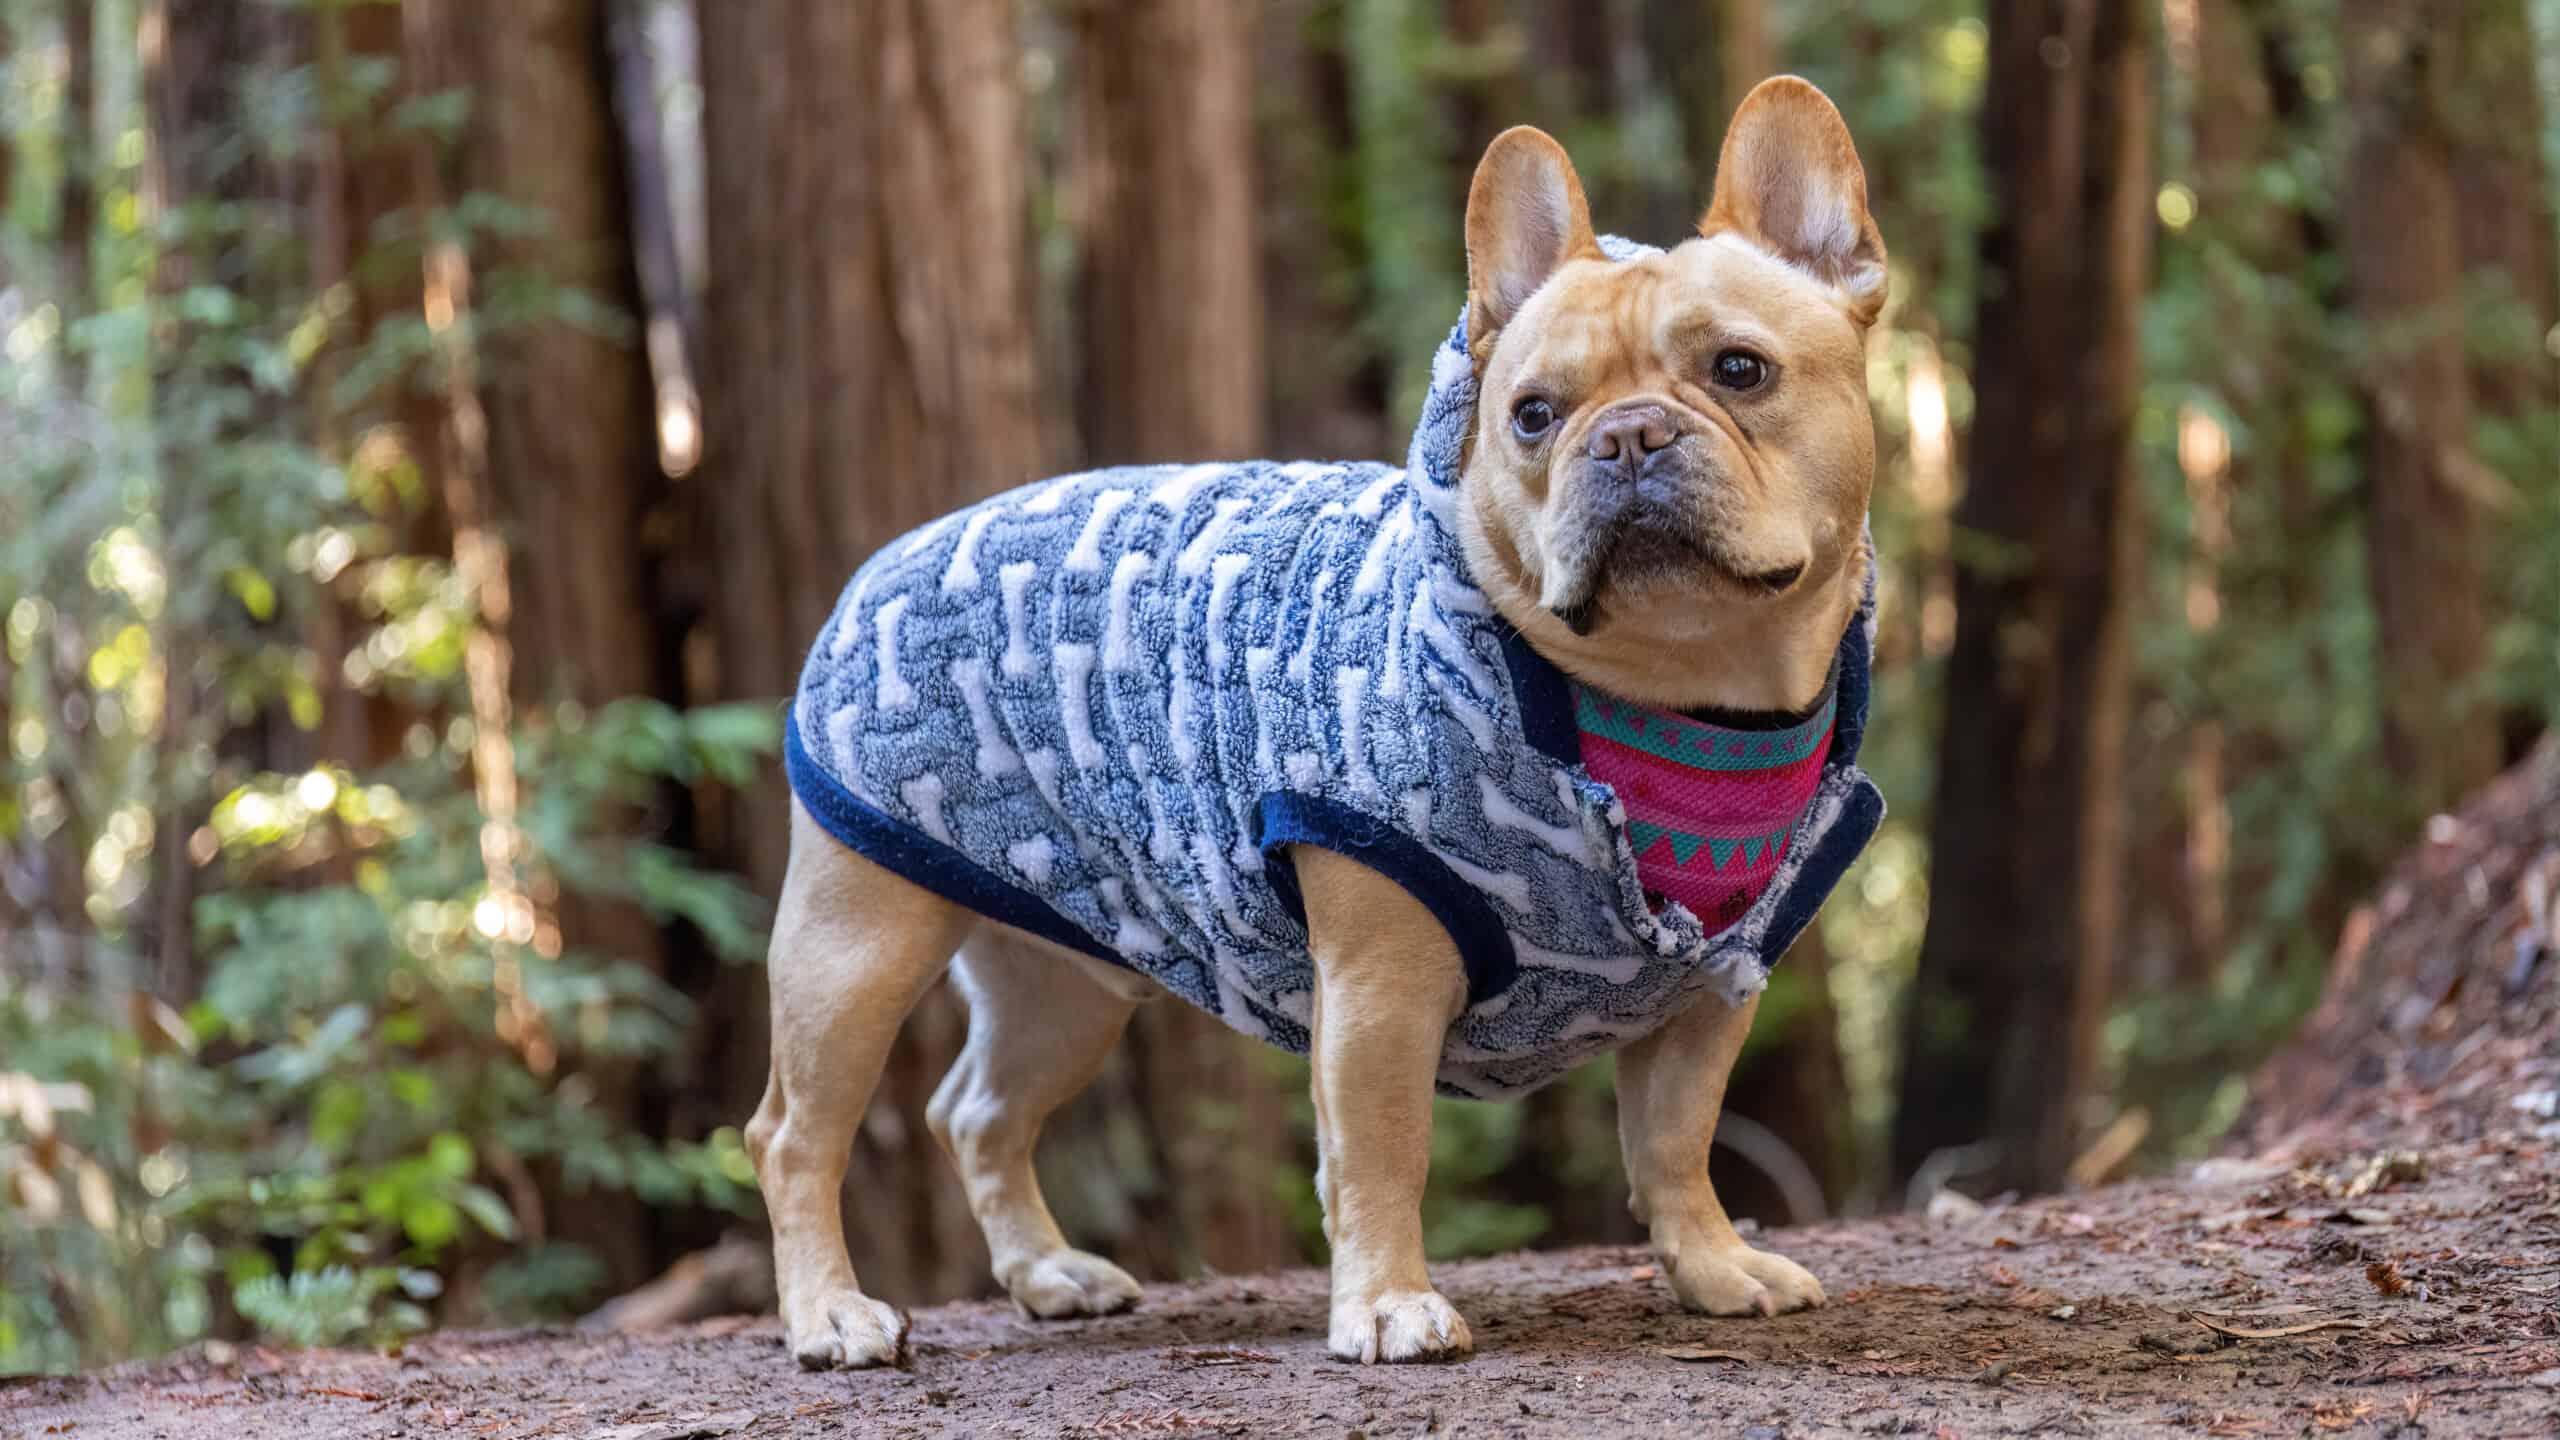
[(1789, 182)]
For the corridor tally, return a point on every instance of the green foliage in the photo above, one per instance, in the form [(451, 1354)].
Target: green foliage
[(206, 554), (1415, 267), (335, 1305)]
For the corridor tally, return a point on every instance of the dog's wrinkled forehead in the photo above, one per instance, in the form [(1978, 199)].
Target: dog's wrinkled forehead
[(1597, 323)]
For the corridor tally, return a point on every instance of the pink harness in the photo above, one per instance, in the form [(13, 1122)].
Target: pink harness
[(1710, 808)]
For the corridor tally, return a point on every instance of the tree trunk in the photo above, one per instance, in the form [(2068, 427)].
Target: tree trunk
[(1746, 51), (77, 230), (1171, 333), (2503, 198), (2426, 541), (572, 436), (2026, 844), (2504, 194), (868, 366), (569, 473), (1710, 53), (1325, 388), (196, 96), (2183, 847), (1171, 347)]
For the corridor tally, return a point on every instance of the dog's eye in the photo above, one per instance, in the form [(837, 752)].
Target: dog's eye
[(1532, 417), (1741, 370)]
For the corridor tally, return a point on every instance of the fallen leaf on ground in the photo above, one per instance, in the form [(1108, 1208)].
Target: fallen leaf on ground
[(2278, 1332), (2386, 1277), (1696, 1353)]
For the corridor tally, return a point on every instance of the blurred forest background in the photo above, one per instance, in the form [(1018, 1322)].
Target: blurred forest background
[(431, 430)]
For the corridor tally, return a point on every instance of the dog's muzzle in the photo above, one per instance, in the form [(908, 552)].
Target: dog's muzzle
[(1633, 520)]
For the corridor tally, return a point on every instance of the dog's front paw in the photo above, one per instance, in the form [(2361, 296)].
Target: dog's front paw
[(1399, 1325), (1071, 1282), (1735, 1279), (847, 1330)]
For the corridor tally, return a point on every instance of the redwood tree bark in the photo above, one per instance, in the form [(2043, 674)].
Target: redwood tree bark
[(2504, 199), (868, 366), (2506, 196), (569, 460), (573, 458), (2425, 537), (1172, 315), (1326, 390), (1746, 51), (2026, 843), (1172, 371)]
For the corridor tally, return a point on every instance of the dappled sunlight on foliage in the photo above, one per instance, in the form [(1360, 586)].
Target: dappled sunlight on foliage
[(281, 1093)]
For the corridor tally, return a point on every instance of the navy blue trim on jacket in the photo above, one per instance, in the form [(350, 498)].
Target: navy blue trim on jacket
[(1286, 818), (1862, 811), (1545, 696), (912, 855)]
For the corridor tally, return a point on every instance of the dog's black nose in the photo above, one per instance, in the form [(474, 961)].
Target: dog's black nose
[(1631, 434)]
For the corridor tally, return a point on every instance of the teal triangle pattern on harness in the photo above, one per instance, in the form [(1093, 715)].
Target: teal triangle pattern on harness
[(1699, 745), (1641, 835), (1721, 851), (1684, 846)]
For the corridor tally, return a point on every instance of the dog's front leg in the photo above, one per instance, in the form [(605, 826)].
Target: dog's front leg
[(1388, 982), (1670, 1091)]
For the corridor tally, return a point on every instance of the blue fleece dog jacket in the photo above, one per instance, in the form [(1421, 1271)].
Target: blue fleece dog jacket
[(1101, 708)]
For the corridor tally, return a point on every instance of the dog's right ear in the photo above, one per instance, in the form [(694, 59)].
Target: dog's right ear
[(1525, 217)]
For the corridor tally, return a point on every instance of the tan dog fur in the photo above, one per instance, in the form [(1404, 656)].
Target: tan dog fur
[(1788, 265)]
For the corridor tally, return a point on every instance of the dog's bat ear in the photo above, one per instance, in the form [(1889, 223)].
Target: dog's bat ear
[(1789, 182), (1525, 217)]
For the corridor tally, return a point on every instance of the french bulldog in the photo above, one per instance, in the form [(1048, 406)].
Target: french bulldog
[(1298, 743)]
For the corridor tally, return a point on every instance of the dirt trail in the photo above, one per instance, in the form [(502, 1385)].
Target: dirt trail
[(2435, 1280)]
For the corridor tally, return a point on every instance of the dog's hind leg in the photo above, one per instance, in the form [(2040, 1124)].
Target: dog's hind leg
[(1040, 1027), (854, 947)]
